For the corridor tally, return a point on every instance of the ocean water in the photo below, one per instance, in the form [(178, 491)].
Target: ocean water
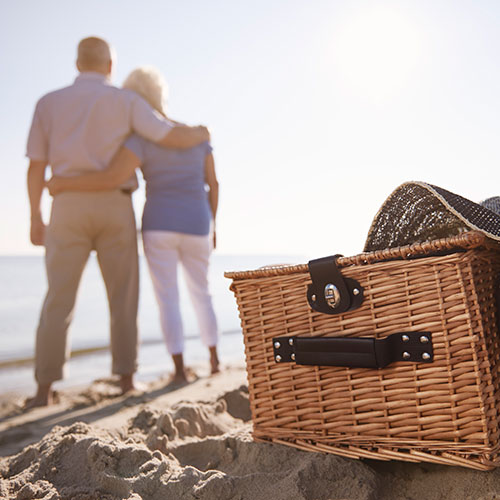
[(23, 286)]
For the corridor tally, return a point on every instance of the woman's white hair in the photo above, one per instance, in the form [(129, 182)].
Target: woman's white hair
[(149, 83)]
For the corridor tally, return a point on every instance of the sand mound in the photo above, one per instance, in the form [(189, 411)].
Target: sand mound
[(171, 446), (192, 450)]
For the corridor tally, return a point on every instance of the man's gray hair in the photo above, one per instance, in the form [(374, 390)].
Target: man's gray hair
[(149, 83)]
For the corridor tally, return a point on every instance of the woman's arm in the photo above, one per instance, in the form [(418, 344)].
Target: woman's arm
[(213, 187), (120, 169)]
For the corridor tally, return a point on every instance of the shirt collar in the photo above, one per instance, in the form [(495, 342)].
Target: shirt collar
[(92, 76)]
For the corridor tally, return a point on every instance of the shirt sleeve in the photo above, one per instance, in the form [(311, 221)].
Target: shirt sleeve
[(208, 148), (147, 122), (135, 145), (37, 148)]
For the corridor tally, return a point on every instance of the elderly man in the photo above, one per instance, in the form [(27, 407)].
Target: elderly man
[(76, 130)]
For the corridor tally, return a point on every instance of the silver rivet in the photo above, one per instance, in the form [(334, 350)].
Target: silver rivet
[(290, 341), (426, 356), (406, 355), (405, 338), (424, 339), (313, 298), (355, 291), (277, 345), (292, 356), (278, 358)]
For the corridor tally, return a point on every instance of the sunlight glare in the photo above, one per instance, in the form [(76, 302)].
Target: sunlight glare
[(376, 53)]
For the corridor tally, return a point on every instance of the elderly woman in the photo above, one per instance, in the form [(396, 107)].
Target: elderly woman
[(178, 221)]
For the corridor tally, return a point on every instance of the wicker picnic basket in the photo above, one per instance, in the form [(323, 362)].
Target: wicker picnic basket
[(408, 369)]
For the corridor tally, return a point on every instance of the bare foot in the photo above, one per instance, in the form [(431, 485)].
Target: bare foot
[(36, 402), (44, 397), (127, 383), (214, 360), (176, 381), (180, 378)]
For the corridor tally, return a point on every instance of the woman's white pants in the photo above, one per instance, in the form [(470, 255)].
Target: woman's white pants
[(164, 250)]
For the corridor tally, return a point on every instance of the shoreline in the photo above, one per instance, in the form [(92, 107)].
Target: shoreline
[(88, 351), (153, 363)]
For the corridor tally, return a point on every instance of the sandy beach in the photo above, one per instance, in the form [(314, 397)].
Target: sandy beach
[(191, 442)]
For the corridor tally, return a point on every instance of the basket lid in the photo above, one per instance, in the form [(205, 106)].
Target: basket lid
[(467, 240)]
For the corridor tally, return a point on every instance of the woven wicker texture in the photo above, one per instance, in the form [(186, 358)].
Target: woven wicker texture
[(445, 412), (418, 212)]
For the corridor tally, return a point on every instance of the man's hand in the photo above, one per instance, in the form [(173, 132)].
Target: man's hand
[(182, 137), (37, 231), (54, 185), (204, 132)]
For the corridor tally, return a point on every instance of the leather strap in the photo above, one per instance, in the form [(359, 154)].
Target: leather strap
[(330, 292), (355, 352)]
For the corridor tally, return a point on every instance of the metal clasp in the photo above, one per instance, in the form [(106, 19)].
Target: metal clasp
[(332, 295), (330, 292)]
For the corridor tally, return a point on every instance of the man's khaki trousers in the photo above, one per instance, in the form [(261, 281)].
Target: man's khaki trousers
[(81, 222)]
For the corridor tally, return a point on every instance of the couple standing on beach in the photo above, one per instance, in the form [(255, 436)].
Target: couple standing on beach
[(94, 136)]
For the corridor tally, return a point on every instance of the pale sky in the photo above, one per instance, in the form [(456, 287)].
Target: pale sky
[(318, 109)]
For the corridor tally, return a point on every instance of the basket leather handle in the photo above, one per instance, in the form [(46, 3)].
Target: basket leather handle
[(355, 352)]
